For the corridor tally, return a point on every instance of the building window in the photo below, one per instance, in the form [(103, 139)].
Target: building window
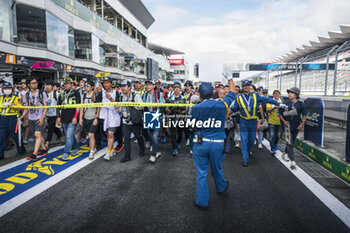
[(31, 26), (82, 45), (111, 55), (71, 41), (57, 35), (95, 48), (6, 31)]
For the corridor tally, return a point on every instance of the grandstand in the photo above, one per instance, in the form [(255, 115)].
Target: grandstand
[(334, 50)]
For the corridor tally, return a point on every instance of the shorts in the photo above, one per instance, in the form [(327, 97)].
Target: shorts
[(34, 126), (112, 129), (89, 127)]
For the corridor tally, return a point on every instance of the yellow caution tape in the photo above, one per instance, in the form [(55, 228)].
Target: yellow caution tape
[(109, 104)]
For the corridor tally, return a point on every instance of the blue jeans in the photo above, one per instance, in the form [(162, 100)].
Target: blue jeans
[(154, 135), (260, 136), (71, 143), (204, 154), (275, 134)]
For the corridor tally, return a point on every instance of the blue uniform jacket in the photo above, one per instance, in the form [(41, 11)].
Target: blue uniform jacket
[(215, 110), (259, 99)]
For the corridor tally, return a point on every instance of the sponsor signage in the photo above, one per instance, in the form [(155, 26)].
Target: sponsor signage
[(69, 68), (343, 66), (336, 167), (314, 120), (177, 62), (347, 149), (308, 66), (16, 180), (10, 58), (43, 64)]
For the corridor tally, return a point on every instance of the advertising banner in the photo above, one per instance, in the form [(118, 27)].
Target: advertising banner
[(347, 150), (43, 64), (315, 120), (177, 62), (308, 66)]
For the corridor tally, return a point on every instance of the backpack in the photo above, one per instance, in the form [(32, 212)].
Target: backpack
[(135, 115), (40, 97)]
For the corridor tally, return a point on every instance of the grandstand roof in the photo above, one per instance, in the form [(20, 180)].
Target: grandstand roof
[(335, 38), (158, 49), (138, 9)]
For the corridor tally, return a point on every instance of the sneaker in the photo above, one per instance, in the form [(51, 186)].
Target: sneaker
[(152, 159), (31, 139), (42, 153), (292, 165), (260, 146), (163, 139), (175, 152), (275, 147), (107, 157), (64, 157), (188, 142), (285, 157), (75, 152), (31, 158), (158, 154), (92, 153), (148, 145), (25, 141), (273, 150), (150, 149), (191, 152), (237, 145), (119, 148)]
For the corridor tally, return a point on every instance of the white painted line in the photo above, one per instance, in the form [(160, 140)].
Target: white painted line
[(336, 206), (24, 160), (20, 199)]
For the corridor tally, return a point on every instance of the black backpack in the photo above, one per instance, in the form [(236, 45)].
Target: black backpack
[(135, 115)]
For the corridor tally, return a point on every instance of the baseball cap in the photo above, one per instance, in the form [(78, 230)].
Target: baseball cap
[(126, 82), (276, 90), (265, 91), (106, 79), (7, 84), (158, 81), (177, 85), (149, 81), (206, 89), (139, 81), (246, 82), (68, 80)]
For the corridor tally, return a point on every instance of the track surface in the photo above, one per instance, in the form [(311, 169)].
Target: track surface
[(140, 197)]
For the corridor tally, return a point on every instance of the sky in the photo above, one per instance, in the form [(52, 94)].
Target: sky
[(217, 32)]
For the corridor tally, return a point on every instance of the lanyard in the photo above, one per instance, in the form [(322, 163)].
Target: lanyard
[(247, 101), (66, 96)]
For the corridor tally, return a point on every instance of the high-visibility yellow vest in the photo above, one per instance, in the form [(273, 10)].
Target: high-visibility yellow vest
[(227, 109), (8, 111), (243, 106)]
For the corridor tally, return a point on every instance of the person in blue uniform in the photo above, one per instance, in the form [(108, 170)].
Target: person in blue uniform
[(209, 144), (247, 104)]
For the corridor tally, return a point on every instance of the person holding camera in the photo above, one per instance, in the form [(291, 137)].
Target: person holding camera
[(132, 120), (292, 119)]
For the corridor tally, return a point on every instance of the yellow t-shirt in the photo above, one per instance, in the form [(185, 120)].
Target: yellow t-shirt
[(11, 112), (274, 118)]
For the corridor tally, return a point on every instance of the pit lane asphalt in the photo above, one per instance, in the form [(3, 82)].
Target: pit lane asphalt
[(140, 197)]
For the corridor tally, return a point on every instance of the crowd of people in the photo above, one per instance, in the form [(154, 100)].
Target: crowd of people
[(251, 116)]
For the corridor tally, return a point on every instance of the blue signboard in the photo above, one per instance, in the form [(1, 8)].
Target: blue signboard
[(314, 125), (307, 66), (347, 149)]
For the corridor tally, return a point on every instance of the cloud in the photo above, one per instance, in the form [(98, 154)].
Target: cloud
[(258, 35)]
